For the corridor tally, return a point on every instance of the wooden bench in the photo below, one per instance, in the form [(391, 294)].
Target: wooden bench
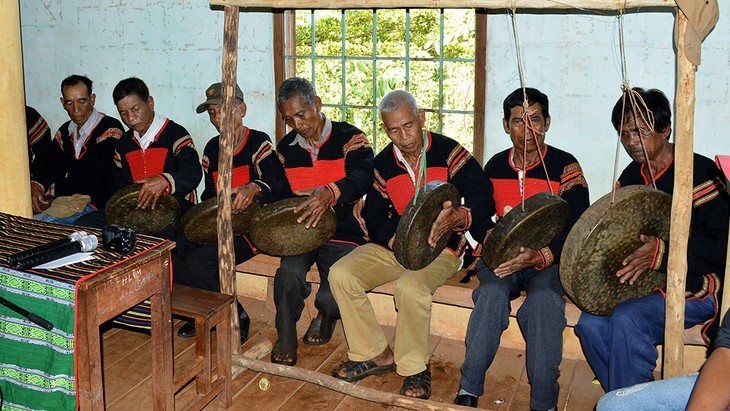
[(209, 310), (452, 305)]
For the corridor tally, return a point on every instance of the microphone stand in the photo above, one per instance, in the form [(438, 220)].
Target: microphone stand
[(27, 314)]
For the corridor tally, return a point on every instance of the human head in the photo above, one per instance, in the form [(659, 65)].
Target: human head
[(135, 105), (213, 105), (77, 98), (524, 139), (300, 107), (636, 134), (402, 121)]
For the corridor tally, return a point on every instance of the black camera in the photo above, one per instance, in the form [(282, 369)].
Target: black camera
[(118, 238)]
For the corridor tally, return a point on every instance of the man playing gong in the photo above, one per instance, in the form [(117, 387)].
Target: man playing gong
[(155, 151), (256, 173), (331, 163), (621, 348), (397, 174), (516, 173)]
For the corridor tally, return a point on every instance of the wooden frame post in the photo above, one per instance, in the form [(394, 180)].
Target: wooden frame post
[(681, 207), (226, 257), (15, 191)]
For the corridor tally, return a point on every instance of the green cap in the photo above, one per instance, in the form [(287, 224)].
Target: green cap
[(214, 95)]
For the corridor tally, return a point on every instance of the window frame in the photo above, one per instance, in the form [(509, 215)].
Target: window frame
[(284, 27)]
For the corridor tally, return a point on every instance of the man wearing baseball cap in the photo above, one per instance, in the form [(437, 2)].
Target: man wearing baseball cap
[(256, 173)]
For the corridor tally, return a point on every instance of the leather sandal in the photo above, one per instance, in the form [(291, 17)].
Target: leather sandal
[(422, 381), (357, 370), (321, 327), (277, 351)]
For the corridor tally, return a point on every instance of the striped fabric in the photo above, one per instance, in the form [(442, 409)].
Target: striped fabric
[(36, 365)]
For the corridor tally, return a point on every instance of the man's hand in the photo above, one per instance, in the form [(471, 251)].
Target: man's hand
[(639, 261), (36, 197), (152, 189), (528, 257), (448, 218), (312, 210), (244, 196)]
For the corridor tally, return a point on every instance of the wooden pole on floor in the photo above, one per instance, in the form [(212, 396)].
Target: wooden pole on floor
[(226, 257), (350, 389), (15, 198), (681, 207)]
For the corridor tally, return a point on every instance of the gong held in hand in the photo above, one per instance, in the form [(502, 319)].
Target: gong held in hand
[(411, 246), (544, 217), (200, 222), (121, 209), (603, 237), (275, 230)]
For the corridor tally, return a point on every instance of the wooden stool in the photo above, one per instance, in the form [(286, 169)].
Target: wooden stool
[(209, 310)]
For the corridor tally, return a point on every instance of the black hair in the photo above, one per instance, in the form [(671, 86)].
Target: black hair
[(130, 86), (517, 98), (75, 79), (655, 101)]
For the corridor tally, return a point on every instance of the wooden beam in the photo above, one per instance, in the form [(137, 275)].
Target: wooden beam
[(480, 84), (681, 207), (280, 24), (484, 4), (226, 257), (15, 191)]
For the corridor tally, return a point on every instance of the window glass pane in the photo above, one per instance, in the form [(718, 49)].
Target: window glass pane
[(359, 33), (359, 83), (304, 68), (362, 119), (425, 32), (433, 121), (459, 35), (460, 127), (332, 113), (391, 32), (424, 83), (303, 32), (391, 76), (328, 32), (328, 80), (458, 86)]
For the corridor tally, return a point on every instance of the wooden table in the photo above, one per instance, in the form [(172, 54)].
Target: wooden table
[(108, 294)]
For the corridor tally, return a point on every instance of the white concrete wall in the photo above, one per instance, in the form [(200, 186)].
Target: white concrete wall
[(176, 47), (575, 60)]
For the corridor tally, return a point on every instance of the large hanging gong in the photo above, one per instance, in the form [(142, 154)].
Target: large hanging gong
[(544, 217), (121, 209), (411, 246), (200, 222), (603, 237), (275, 231)]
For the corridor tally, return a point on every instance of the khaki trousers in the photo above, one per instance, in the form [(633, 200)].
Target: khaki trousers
[(369, 266)]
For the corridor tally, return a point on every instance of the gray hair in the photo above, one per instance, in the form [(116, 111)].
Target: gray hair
[(395, 100), (296, 87)]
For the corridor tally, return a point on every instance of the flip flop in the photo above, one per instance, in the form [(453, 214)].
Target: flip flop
[(321, 327), (422, 380), (277, 351), (357, 370)]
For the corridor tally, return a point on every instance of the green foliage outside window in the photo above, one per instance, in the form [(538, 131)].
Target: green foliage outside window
[(429, 52)]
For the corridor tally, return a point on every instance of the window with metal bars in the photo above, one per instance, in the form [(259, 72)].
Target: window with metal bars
[(354, 57)]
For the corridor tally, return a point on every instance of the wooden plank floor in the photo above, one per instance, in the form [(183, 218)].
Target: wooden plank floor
[(127, 372)]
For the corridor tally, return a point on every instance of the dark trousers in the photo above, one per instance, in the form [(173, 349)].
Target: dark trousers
[(621, 348), (542, 321), (291, 288)]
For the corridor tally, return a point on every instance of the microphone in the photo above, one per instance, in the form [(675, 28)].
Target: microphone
[(75, 236), (84, 244)]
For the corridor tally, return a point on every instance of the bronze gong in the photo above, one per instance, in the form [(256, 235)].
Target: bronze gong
[(411, 237), (275, 231), (603, 237), (200, 222), (121, 209), (544, 217)]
